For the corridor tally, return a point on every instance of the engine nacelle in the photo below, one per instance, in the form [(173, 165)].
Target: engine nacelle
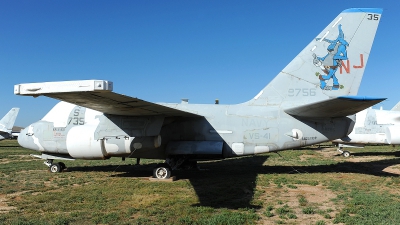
[(393, 135), (82, 144)]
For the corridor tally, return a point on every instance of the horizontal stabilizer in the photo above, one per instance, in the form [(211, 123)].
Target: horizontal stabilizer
[(335, 107)]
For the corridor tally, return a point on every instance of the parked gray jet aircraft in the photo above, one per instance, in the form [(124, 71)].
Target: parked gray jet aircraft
[(373, 126), (7, 123), (310, 101)]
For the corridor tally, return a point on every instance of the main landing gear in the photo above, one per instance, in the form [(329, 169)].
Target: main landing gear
[(163, 170), (344, 153), (55, 167)]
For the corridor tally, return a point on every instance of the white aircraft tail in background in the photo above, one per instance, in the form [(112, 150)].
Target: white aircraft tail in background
[(7, 123)]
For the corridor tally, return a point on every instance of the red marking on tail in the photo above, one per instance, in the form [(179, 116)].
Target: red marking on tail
[(362, 62)]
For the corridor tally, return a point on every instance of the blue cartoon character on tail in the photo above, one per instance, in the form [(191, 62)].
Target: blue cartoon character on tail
[(337, 52)]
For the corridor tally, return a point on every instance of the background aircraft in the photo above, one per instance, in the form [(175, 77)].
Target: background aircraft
[(373, 126), (310, 101), (7, 123)]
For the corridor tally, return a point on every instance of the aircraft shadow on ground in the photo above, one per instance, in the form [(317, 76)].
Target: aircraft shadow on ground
[(231, 183), (10, 146), (395, 153)]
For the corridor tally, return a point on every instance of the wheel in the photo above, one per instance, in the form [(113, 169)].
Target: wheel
[(63, 167), (55, 168), (346, 154), (162, 171)]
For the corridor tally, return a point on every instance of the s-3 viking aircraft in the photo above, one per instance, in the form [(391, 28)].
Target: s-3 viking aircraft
[(310, 101), (7, 123), (373, 126)]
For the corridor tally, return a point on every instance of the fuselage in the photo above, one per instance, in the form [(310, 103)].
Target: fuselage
[(222, 131)]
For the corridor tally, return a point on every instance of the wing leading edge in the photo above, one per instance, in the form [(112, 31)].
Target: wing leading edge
[(98, 95), (334, 107), (117, 104)]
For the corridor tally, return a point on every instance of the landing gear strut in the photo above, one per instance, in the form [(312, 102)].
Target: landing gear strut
[(344, 153)]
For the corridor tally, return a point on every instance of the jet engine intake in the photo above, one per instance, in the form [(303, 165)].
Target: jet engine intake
[(393, 135)]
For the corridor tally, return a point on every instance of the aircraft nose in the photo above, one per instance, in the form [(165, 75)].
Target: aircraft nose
[(26, 138)]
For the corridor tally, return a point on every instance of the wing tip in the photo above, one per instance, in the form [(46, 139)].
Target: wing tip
[(361, 98)]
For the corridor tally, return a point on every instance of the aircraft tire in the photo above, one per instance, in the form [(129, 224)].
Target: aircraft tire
[(346, 154), (162, 171), (55, 168), (62, 166)]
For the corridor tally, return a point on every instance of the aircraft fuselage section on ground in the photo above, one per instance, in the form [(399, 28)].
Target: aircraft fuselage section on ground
[(230, 130), (374, 126)]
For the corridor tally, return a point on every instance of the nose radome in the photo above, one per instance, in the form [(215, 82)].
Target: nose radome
[(22, 137), (26, 140)]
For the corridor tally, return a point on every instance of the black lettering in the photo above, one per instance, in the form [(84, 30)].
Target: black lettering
[(76, 112), (372, 16)]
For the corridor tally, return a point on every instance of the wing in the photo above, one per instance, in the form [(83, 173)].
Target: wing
[(97, 95), (334, 107)]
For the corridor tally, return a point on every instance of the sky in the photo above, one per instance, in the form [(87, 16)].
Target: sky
[(163, 51)]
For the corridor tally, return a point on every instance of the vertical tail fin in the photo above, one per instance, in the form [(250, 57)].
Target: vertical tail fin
[(331, 65), (7, 122), (396, 107)]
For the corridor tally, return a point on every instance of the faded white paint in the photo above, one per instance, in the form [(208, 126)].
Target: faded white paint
[(334, 25), (238, 148), (323, 37), (59, 114), (35, 139), (261, 149)]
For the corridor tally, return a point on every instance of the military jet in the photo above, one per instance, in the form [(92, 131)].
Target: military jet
[(311, 100), (373, 126), (7, 123)]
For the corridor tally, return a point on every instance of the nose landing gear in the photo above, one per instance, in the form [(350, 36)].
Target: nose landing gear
[(55, 167), (343, 152)]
